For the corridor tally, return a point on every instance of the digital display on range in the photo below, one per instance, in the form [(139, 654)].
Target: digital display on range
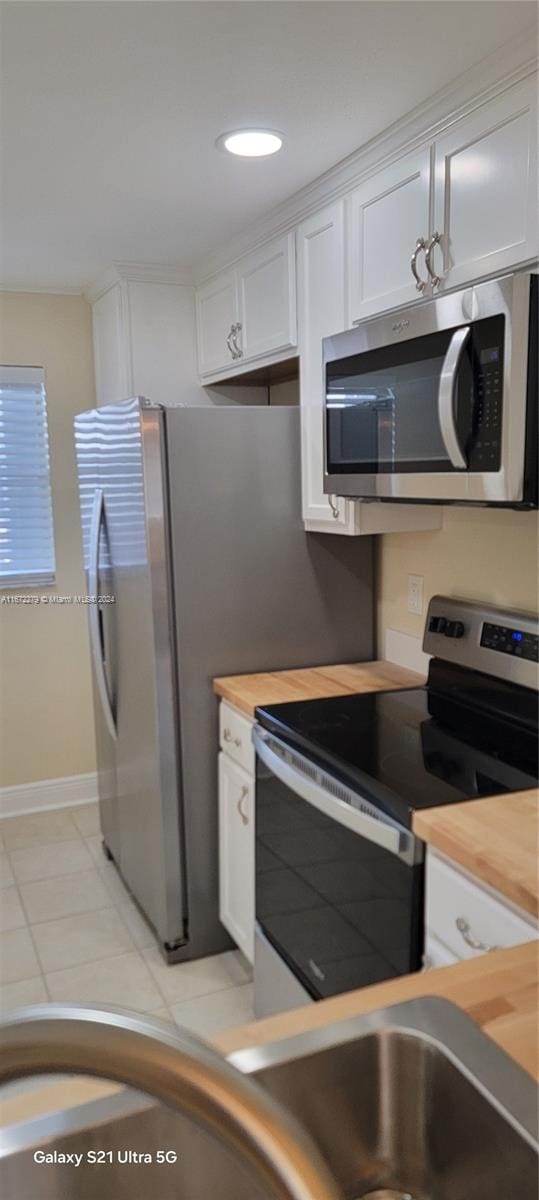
[(510, 641)]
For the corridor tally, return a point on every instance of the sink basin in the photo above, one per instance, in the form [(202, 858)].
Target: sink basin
[(410, 1103)]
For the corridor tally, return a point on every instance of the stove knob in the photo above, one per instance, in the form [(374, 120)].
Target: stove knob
[(437, 624), (454, 629)]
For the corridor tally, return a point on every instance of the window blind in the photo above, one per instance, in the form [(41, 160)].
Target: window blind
[(26, 526)]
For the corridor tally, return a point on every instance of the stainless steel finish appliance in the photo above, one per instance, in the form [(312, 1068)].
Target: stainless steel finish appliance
[(195, 552), (437, 402), (339, 873), (413, 1101)]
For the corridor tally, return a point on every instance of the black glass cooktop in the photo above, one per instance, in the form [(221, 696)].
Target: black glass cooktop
[(416, 748)]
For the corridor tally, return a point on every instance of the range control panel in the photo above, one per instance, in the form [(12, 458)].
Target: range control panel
[(503, 643), (510, 641)]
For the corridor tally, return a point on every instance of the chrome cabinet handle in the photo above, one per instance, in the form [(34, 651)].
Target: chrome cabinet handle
[(334, 506), (236, 329), (447, 396), (419, 282), (435, 240), (227, 737), (229, 342), (243, 796), (463, 927)]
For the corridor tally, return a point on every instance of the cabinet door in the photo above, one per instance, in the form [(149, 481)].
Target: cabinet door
[(267, 299), (321, 295), (217, 311), (387, 215), (112, 382), (237, 854), (486, 188)]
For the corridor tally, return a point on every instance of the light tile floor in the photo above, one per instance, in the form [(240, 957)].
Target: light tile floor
[(69, 931)]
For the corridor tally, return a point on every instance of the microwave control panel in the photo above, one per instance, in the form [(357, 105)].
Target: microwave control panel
[(484, 450), (510, 641)]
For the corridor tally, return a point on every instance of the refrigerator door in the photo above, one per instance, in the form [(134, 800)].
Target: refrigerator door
[(122, 482)]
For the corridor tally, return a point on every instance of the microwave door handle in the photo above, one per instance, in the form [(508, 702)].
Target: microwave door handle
[(93, 611), (398, 841), (447, 396)]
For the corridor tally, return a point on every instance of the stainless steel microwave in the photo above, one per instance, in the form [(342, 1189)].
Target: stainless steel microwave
[(437, 403)]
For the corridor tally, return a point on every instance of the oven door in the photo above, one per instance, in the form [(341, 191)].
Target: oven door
[(430, 403), (339, 886)]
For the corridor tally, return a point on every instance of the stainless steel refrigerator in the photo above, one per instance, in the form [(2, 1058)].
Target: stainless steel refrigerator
[(199, 565)]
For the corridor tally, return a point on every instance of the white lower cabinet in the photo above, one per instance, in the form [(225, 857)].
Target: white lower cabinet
[(464, 918), (237, 853)]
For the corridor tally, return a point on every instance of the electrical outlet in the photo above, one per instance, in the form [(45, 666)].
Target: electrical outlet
[(415, 594)]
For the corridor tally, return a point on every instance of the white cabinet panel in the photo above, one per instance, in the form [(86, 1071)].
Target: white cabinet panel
[(486, 188), (237, 854), (267, 299), (112, 376), (217, 311), (235, 736), (453, 899), (387, 214), (321, 296)]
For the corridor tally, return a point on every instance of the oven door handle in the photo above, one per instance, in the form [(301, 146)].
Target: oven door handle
[(381, 833), (447, 397)]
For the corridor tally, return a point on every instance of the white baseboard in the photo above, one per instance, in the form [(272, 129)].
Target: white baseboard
[(48, 793), (405, 650)]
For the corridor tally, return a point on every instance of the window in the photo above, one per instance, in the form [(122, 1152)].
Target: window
[(26, 528)]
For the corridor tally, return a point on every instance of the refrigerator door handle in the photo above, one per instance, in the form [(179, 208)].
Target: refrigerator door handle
[(93, 611)]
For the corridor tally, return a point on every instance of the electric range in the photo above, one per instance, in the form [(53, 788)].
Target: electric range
[(339, 874)]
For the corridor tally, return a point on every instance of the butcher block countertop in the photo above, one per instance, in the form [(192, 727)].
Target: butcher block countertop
[(499, 991), (246, 692), (495, 839)]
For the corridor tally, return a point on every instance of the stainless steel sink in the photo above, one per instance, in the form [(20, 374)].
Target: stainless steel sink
[(411, 1103)]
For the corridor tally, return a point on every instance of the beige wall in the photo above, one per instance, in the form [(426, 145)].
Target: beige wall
[(480, 554), (47, 724)]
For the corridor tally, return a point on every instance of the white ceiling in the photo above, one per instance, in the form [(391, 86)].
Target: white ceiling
[(110, 111)]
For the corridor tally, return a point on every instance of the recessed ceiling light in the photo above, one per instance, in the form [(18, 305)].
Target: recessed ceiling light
[(250, 143)]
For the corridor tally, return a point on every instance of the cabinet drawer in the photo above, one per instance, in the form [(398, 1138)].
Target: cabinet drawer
[(235, 737), (451, 897)]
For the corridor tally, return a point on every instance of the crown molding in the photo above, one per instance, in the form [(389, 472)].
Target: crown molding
[(135, 272), (22, 289), (507, 66)]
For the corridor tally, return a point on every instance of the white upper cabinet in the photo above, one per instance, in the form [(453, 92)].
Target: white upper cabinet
[(485, 197), (248, 314), (387, 215), (112, 382), (321, 302), (144, 337), (217, 316), (267, 299)]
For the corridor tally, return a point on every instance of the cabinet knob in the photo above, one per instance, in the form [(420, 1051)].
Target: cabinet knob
[(419, 282), (229, 342), (334, 506), (228, 737), (243, 796)]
